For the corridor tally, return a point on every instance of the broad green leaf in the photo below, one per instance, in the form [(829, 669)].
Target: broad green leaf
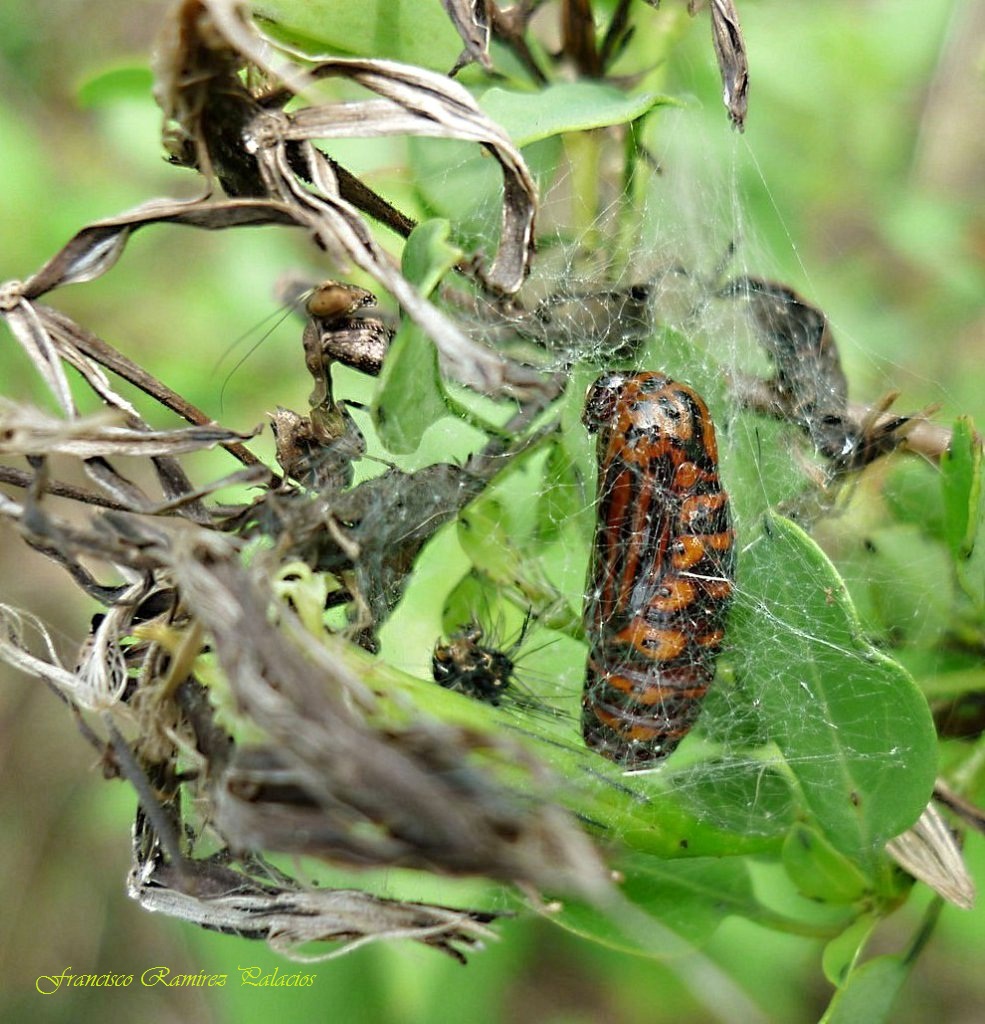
[(413, 31), (131, 82), (409, 394), (819, 871), (851, 724), (841, 953), (565, 107), (682, 902), (869, 993), (739, 794)]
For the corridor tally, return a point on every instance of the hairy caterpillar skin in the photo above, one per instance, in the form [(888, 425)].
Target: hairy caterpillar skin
[(468, 666), (476, 666), (660, 581)]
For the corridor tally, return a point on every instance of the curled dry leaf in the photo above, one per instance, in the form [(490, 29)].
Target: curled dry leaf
[(730, 50), (50, 338), (425, 103), (25, 430), (219, 127), (214, 895), (799, 342), (929, 852), (810, 388), (471, 21), (94, 249)]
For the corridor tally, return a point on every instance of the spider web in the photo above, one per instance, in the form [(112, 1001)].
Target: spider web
[(689, 234)]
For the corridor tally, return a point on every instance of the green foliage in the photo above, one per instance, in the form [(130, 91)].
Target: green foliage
[(565, 107), (852, 726), (410, 396), (414, 32), (870, 992)]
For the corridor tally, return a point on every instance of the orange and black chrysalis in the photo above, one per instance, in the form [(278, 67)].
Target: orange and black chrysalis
[(660, 581)]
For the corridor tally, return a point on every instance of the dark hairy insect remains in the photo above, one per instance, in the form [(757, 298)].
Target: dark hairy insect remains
[(660, 581), (468, 666)]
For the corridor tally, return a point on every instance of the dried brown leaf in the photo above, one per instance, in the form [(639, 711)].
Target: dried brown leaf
[(471, 21), (94, 249), (730, 49), (929, 851), (25, 430), (215, 896), (425, 103)]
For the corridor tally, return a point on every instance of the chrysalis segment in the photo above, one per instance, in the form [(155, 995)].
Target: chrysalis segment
[(660, 581)]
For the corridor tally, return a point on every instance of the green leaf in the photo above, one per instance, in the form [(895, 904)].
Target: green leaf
[(483, 532), (913, 494), (428, 255), (562, 496), (756, 467), (896, 564), (410, 396), (131, 82), (819, 871), (869, 993), (854, 729), (474, 596), (413, 31), (964, 508), (841, 953), (961, 486), (739, 794), (680, 900), (945, 675), (565, 107)]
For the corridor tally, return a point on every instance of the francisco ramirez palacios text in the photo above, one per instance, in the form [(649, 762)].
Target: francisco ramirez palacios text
[(164, 977)]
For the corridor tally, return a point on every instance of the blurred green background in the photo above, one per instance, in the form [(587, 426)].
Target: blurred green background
[(859, 182)]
